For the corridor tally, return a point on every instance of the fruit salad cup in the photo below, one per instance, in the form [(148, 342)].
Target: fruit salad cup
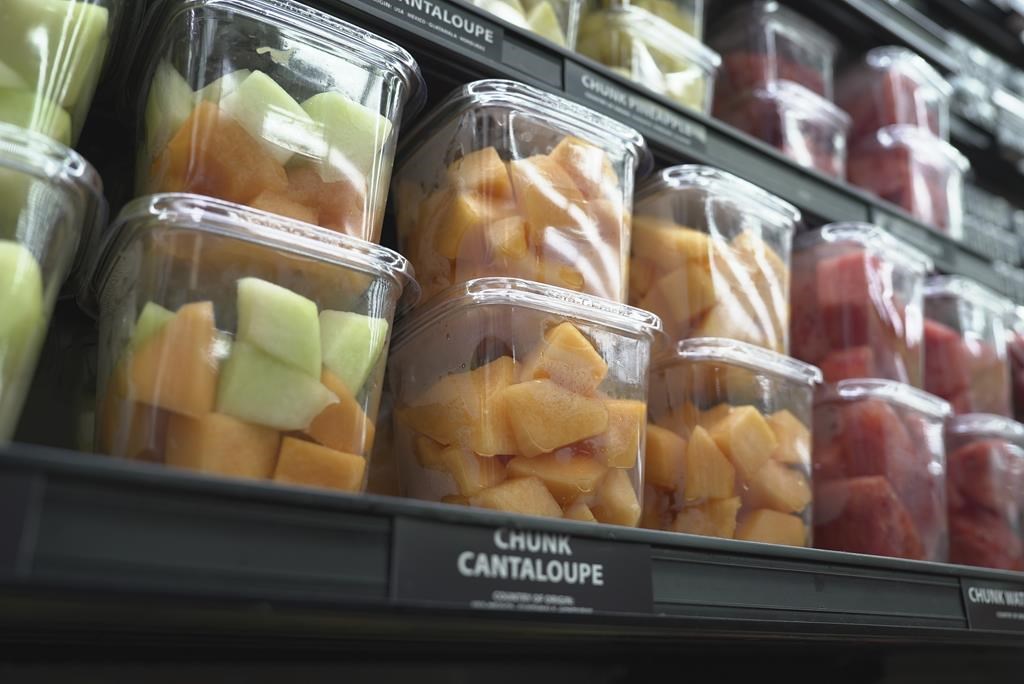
[(985, 487), (506, 180), (51, 55), (965, 346), (524, 398), (276, 106), (653, 52), (859, 308), (893, 85), (556, 20), (912, 168), (879, 470), (729, 451), (804, 126), (237, 343), (685, 15), (763, 42), (1015, 353), (49, 199), (710, 256)]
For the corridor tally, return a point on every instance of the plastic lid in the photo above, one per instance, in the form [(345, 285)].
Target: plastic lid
[(885, 390), (986, 425), (754, 15), (744, 195), (922, 142), (526, 294), (967, 290), (908, 62), (661, 34), (870, 237), (794, 97), (276, 233), (578, 120), (742, 354)]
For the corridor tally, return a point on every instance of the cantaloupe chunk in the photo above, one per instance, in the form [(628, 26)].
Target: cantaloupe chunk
[(668, 245), (772, 527), (616, 502), (175, 368), (546, 194), (212, 154), (619, 446), (779, 488), (709, 474), (681, 296), (567, 477), (710, 418), (222, 445), (132, 430), (545, 416), (526, 495), (793, 439), (664, 458), (306, 463), (455, 500), (568, 358), (463, 213), (641, 278), (428, 453), (715, 518), (282, 205), (746, 440), (472, 473), (657, 509), (505, 238), (588, 166), (481, 172), (341, 206), (579, 510), (342, 426)]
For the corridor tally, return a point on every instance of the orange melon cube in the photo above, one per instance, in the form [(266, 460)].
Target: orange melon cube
[(641, 278), (793, 439), (772, 527), (746, 439), (709, 474), (619, 446), (222, 445), (472, 473), (306, 463), (616, 502), (557, 270), (280, 204), (455, 500), (567, 477), (579, 510), (525, 495), (714, 518), (568, 358), (531, 407), (679, 419), (681, 296), (428, 453), (175, 369), (664, 458), (463, 213), (710, 418), (481, 172), (506, 238), (668, 245), (779, 488), (657, 509), (132, 430), (546, 194), (340, 205), (588, 166), (342, 426)]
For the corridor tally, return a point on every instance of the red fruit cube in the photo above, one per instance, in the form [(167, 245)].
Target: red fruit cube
[(981, 538), (946, 363), (856, 362), (864, 515), (874, 439), (986, 474)]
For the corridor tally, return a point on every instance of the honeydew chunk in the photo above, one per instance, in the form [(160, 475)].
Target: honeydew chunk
[(568, 358), (21, 305), (222, 87), (152, 319), (526, 495), (772, 527), (35, 112), (545, 416), (709, 474), (714, 518), (664, 458), (306, 463), (580, 511), (567, 477), (543, 20), (169, 105), (282, 323), (472, 473), (355, 136), (9, 78), (509, 10), (351, 344), (221, 445), (616, 500), (269, 114)]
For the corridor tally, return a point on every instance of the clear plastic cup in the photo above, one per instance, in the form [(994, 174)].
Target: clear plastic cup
[(763, 42), (710, 256), (894, 85), (729, 451), (51, 55), (274, 105), (524, 398), (685, 15), (506, 180), (911, 168), (653, 52), (50, 200), (859, 308), (237, 343), (556, 20), (879, 470), (985, 487), (965, 345), (1015, 353), (804, 126)]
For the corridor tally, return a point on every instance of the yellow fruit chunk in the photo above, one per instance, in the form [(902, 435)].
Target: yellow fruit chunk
[(710, 418), (546, 194), (793, 437), (482, 172), (568, 358), (619, 446), (746, 440), (428, 453), (641, 278), (526, 495), (616, 502), (668, 245), (463, 213), (715, 518), (579, 510), (545, 416), (223, 445), (780, 488), (132, 430), (588, 165), (306, 463), (657, 509), (277, 203), (455, 500), (681, 296), (175, 368), (709, 474), (567, 477), (472, 473), (772, 527), (506, 238), (342, 426), (664, 458)]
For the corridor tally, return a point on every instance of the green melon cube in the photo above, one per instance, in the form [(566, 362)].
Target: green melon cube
[(355, 136), (270, 115), (168, 107), (151, 320), (26, 109), (281, 323), (21, 306), (352, 344), (9, 78), (544, 22), (223, 86)]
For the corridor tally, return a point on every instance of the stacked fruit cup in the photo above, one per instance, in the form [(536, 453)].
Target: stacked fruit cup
[(555, 20)]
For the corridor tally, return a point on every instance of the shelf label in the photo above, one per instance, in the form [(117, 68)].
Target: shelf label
[(449, 22), (622, 102), (519, 570), (993, 606)]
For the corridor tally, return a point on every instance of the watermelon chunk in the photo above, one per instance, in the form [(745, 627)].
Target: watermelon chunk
[(946, 362), (864, 515)]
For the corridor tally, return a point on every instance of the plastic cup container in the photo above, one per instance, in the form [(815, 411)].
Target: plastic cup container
[(523, 398), (763, 43), (893, 85), (985, 487), (710, 256), (860, 302), (50, 198), (965, 346), (51, 55), (879, 470), (1015, 353), (652, 52), (556, 20), (507, 180), (685, 15), (913, 169), (237, 343), (273, 105), (804, 126), (729, 449)]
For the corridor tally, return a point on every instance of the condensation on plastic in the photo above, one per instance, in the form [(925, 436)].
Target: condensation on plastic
[(880, 470), (506, 180), (219, 111), (476, 378), (859, 313), (555, 20), (710, 256)]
